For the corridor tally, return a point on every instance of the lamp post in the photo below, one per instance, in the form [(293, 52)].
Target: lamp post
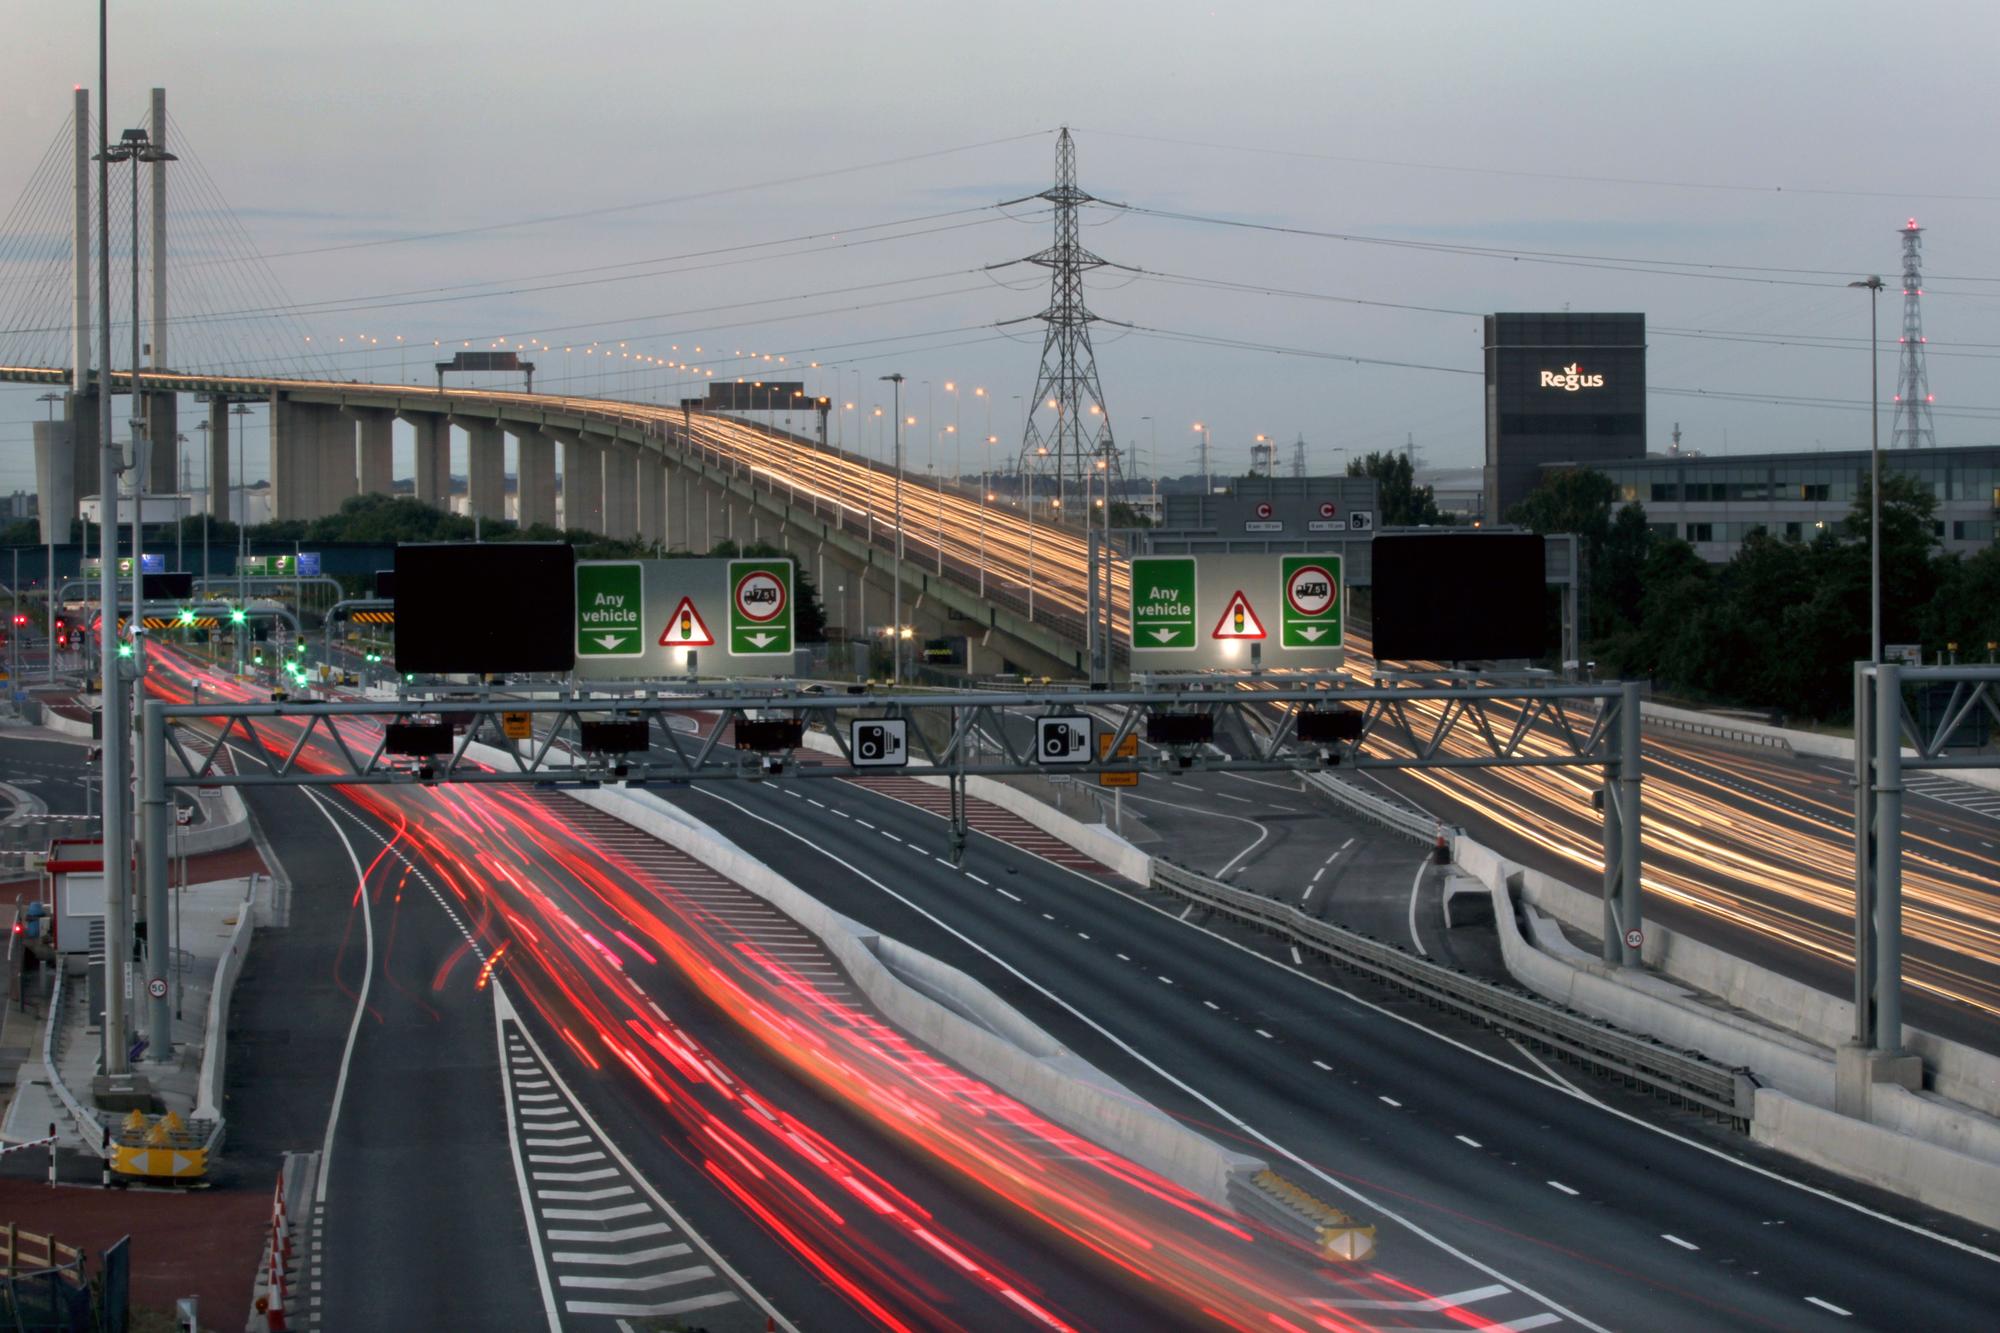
[(207, 499), (48, 525), (1202, 431), (1874, 285), (896, 627)]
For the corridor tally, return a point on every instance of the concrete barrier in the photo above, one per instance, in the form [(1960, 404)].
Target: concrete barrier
[(999, 1046), (1926, 1172), (1810, 743)]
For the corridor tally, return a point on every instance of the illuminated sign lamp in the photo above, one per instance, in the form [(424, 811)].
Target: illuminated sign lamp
[(1571, 378)]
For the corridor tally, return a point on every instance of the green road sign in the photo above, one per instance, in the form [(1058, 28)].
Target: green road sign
[(760, 608), (610, 609), (1311, 601), (1163, 610)]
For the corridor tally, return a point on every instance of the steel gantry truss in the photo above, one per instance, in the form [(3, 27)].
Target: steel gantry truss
[(1882, 727)]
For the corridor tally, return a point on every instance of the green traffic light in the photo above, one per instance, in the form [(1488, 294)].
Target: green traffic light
[(236, 615), (124, 650), (187, 615)]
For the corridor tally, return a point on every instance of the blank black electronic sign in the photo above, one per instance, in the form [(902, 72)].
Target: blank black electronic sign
[(471, 608), (1459, 597), (167, 587)]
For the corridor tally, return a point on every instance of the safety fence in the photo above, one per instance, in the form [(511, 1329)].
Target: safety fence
[(1685, 1077), (43, 1287)]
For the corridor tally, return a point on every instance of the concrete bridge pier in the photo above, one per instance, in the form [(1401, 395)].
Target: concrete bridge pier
[(161, 413), (535, 477), (652, 497), (583, 481), (433, 463), (378, 469), (486, 470), (220, 478), (301, 470), (338, 476), (621, 491)]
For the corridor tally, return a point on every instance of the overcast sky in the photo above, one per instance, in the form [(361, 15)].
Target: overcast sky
[(1782, 143)]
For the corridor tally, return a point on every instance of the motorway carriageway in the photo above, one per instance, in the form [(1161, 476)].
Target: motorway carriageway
[(713, 1046)]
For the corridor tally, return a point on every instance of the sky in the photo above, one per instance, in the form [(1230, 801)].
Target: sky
[(817, 181)]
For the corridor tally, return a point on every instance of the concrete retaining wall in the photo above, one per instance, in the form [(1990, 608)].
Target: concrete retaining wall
[(1777, 1062), (1094, 840), (1965, 1075), (1025, 1063), (1811, 743), (1882, 1157), (215, 1038)]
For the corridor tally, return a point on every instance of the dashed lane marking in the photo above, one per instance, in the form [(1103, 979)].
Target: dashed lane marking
[(1672, 1239), (1470, 1143), (1829, 1305), (1393, 1102)]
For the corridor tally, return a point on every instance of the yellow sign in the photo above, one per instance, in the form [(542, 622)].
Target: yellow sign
[(159, 1163), (1127, 749), (517, 726)]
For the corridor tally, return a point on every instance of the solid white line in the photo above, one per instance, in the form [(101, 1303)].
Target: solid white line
[(1829, 1305), (722, 1265), (1369, 1202), (1558, 1185), (360, 1001), (1672, 1239), (1470, 1143), (1263, 832), (521, 1172), (1416, 886)]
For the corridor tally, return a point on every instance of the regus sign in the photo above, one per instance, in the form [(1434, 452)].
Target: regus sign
[(1571, 378)]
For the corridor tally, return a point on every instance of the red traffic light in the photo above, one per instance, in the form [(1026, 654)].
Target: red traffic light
[(20, 619)]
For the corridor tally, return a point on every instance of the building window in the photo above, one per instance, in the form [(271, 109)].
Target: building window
[(1701, 532), (1972, 530), (1668, 490), (1663, 529), (1795, 532), (1815, 490)]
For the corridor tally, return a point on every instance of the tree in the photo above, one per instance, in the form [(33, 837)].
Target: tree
[(1401, 502)]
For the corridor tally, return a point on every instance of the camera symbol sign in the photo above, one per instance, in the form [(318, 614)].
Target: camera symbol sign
[(881, 742), (1063, 739)]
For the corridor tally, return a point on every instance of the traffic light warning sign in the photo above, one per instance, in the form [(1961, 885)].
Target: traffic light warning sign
[(1239, 620), (685, 628)]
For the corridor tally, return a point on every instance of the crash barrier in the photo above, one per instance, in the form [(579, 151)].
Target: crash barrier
[(42, 1284), (1686, 1077)]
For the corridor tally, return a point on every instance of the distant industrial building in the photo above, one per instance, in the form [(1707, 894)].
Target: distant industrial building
[(1560, 388), (1715, 503)]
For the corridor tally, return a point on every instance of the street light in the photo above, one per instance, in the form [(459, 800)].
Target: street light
[(896, 639), (48, 526), (1874, 285)]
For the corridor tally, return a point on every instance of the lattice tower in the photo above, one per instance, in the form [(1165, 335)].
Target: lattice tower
[(1068, 430), (1912, 429)]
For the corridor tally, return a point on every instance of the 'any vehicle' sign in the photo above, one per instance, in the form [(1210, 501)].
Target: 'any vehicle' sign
[(760, 608), (1163, 605), (1311, 615), (610, 604)]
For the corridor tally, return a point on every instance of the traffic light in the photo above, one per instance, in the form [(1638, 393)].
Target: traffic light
[(62, 631), (125, 648), (236, 616), (20, 620), (187, 615)]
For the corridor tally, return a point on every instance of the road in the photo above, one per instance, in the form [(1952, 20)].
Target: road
[(1579, 1205)]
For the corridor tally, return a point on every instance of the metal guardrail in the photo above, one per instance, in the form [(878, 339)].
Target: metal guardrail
[(89, 1127), (1410, 822), (1682, 1076)]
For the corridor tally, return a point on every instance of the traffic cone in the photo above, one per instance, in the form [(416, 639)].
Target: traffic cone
[(274, 1313)]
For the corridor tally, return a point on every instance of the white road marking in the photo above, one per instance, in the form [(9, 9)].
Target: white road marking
[(1260, 1032), (1432, 1305), (1124, 958), (521, 1169), (1080, 935), (1213, 1005), (360, 1007), (1558, 1185), (1416, 886), (1168, 980), (1391, 1101), (820, 804), (864, 823), (1004, 894), (885, 833), (1672, 1239), (1470, 1143), (1829, 1305), (1324, 1065), (1295, 955), (974, 878)]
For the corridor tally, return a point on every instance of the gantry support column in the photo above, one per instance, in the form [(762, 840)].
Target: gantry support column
[(621, 491), (433, 461), (535, 470), (219, 477), (486, 470), (378, 450), (652, 497), (583, 482)]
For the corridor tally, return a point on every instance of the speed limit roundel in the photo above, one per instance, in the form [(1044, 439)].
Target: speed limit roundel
[(1310, 590), (760, 595)]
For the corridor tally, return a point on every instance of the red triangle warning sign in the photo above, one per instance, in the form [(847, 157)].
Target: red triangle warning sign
[(685, 628), (1239, 620)]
